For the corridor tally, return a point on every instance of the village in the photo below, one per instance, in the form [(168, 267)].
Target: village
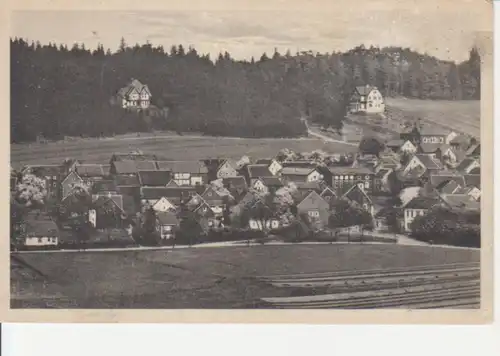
[(140, 198)]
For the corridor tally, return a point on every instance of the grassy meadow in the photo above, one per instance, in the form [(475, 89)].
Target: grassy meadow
[(171, 147), (197, 277)]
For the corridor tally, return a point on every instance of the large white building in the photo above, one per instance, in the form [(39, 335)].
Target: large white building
[(367, 99)]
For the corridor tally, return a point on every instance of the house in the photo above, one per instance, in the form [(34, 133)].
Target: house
[(272, 164), (41, 231), (186, 173), (396, 144), (214, 199), (316, 208), (253, 172), (132, 167), (228, 168), (474, 150), (134, 95), (267, 184), (328, 194), (420, 134), (163, 198), (473, 180), (343, 178), (107, 212), (205, 215), (268, 220), (296, 174), (92, 172), (357, 195), (460, 143), (428, 162), (366, 99), (468, 165), (104, 186), (237, 186), (407, 147), (418, 206), (460, 202), (154, 178), (166, 225), (69, 183), (387, 219)]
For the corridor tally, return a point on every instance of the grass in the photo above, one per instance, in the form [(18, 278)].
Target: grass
[(462, 116), (197, 278), (169, 146)]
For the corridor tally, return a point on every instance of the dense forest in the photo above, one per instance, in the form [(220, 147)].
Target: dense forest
[(59, 91)]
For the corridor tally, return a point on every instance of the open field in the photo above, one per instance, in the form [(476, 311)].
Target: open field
[(168, 146), (461, 116), (202, 278)]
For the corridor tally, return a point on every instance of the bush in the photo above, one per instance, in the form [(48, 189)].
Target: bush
[(442, 226)]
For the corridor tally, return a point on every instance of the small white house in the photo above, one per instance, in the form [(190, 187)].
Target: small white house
[(257, 224), (33, 241)]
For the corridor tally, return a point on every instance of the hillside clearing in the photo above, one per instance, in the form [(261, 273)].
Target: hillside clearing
[(169, 147), (462, 116), (197, 278)]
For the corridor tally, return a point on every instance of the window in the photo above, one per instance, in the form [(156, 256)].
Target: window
[(352, 177), (313, 213), (341, 177), (168, 228), (367, 185), (336, 177), (370, 104)]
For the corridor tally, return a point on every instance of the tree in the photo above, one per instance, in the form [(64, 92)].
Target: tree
[(443, 226), (370, 145), (346, 214), (31, 191)]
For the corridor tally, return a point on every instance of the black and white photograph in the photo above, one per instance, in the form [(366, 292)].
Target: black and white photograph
[(317, 156)]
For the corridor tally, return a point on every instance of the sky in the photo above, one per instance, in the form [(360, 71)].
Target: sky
[(443, 28)]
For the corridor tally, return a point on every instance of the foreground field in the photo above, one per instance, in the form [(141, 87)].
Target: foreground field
[(171, 147), (461, 116), (196, 278)]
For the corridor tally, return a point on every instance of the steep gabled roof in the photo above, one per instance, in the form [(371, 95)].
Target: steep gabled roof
[(169, 193), (313, 196), (92, 170), (296, 171), (166, 218), (124, 180), (438, 180), (355, 193), (474, 150), (365, 89), (258, 170), (449, 187), (238, 182), (395, 143), (462, 167), (429, 161), (460, 201), (350, 170), (328, 192), (134, 84), (154, 178), (460, 139), (41, 228), (271, 182), (192, 167), (473, 180), (421, 203)]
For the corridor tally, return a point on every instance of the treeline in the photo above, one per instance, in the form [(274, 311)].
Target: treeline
[(59, 91)]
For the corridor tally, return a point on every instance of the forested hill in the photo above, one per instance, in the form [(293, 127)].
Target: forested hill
[(56, 91)]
